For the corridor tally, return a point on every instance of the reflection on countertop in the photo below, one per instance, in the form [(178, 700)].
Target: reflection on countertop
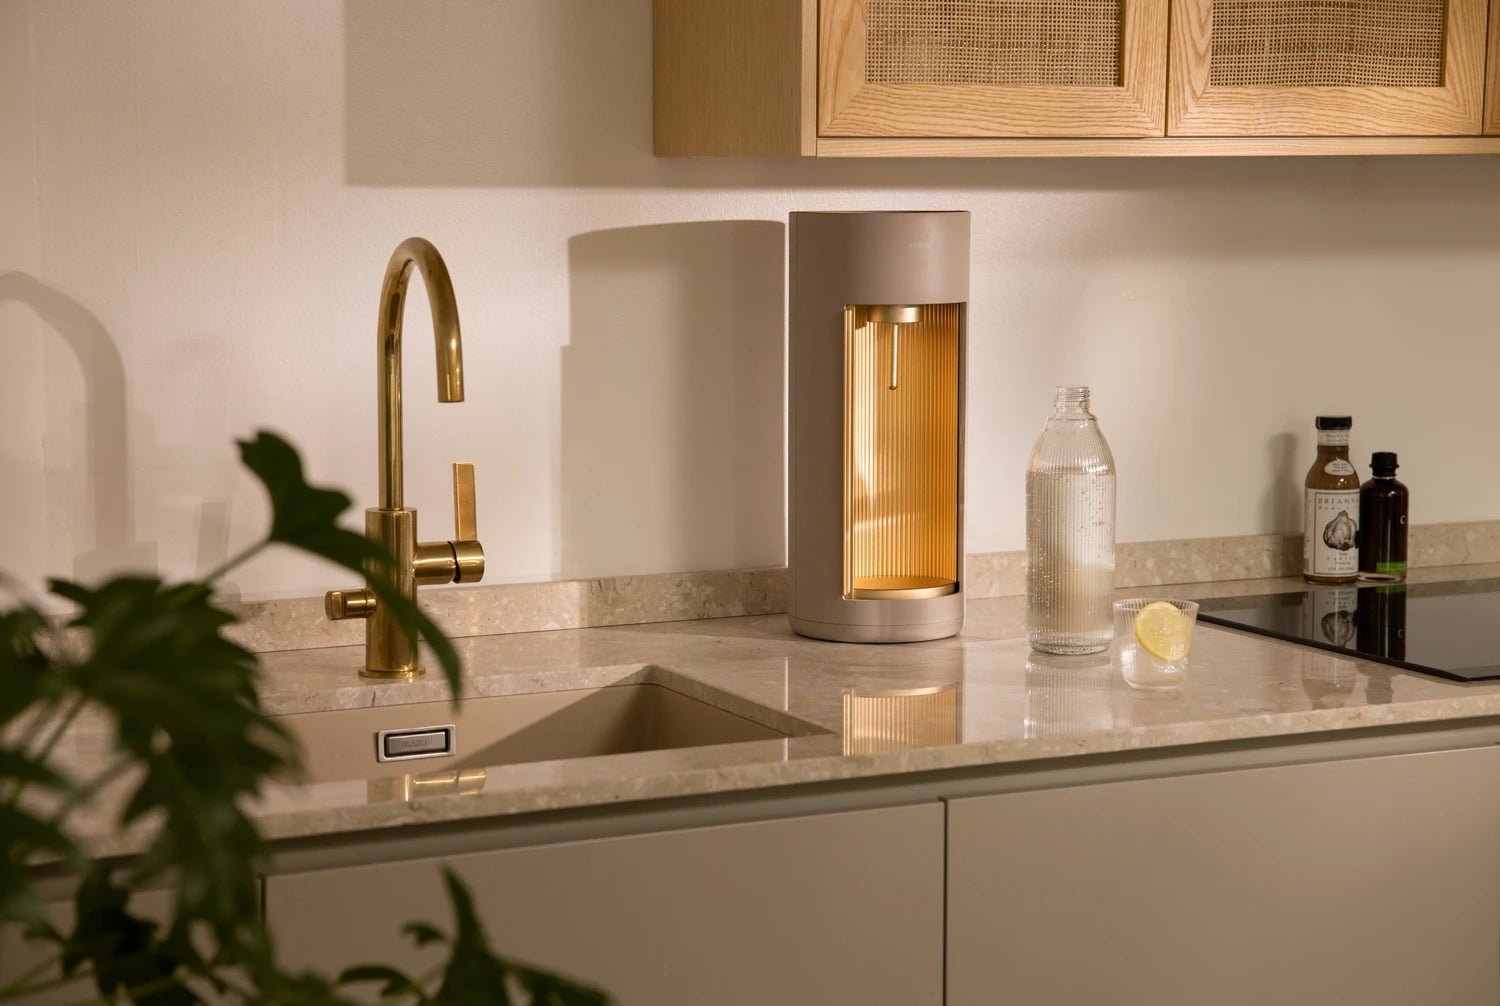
[(1008, 705)]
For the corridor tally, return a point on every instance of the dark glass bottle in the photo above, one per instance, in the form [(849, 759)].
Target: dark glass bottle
[(1383, 504)]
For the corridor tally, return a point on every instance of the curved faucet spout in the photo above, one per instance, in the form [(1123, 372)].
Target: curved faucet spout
[(389, 651), (450, 352)]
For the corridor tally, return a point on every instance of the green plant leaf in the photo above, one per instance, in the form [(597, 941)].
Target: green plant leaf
[(283, 989), (396, 983), (24, 836), (188, 725), (422, 933), (28, 675), (127, 955), (18, 766), (185, 709), (551, 990), (306, 517), (475, 976)]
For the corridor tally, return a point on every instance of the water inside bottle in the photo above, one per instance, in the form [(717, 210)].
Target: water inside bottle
[(1070, 561)]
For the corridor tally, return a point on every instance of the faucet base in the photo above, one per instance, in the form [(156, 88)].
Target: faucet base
[(388, 651), (397, 674)]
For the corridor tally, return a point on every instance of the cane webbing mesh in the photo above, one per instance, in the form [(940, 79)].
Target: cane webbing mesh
[(1327, 43), (993, 42)]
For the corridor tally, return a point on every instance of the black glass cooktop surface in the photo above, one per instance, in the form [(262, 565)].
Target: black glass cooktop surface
[(1448, 629)]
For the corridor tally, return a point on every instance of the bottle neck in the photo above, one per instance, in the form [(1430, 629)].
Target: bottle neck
[(1333, 443), (1333, 438), (1071, 402)]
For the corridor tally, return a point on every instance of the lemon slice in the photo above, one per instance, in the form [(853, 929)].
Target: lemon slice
[(1163, 631)]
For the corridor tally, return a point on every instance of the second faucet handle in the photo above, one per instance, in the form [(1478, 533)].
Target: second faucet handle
[(467, 551)]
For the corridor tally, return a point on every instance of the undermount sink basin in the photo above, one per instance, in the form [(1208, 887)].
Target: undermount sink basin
[(399, 740)]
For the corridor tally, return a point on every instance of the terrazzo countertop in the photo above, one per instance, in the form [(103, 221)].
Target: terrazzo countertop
[(1013, 705)]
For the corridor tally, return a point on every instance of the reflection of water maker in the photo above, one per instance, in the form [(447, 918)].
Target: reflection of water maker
[(876, 435)]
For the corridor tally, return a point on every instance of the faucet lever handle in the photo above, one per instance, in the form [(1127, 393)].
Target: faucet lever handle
[(341, 604), (468, 554), (463, 502)]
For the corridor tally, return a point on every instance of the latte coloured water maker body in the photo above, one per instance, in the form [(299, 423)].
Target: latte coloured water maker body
[(876, 347)]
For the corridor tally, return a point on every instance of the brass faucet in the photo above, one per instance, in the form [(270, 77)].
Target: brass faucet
[(389, 653)]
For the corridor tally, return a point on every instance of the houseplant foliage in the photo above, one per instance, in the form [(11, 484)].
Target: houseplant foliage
[(190, 745)]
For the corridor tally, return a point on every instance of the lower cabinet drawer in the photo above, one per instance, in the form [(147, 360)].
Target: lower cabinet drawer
[(833, 908), (1374, 881)]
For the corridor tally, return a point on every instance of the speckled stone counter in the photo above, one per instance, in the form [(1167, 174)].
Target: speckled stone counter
[(1013, 705)]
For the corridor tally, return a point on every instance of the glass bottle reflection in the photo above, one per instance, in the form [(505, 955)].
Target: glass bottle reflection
[(1068, 694), (1381, 621), (1329, 616), (1328, 680)]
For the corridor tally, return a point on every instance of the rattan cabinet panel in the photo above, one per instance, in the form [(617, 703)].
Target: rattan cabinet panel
[(991, 68), (1326, 67)]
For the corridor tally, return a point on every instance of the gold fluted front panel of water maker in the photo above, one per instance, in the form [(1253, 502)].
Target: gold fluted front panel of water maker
[(901, 444)]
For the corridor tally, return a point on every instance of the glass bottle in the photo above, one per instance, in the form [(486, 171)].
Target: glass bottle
[(1330, 523), (1383, 504), (1070, 531)]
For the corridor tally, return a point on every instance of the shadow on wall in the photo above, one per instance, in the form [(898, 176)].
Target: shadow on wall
[(107, 498), (1281, 508), (672, 403)]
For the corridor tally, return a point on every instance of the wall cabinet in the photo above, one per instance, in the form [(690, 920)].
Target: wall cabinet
[(1374, 881), (1360, 68), (1047, 68), (1082, 77), (830, 908)]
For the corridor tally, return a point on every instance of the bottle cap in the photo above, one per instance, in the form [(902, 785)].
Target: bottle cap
[(1334, 422), (1383, 463)]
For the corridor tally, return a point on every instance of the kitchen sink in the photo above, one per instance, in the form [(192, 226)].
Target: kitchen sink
[(435, 739)]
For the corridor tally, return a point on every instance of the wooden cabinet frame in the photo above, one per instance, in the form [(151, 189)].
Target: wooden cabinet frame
[(849, 106), (1492, 77), (1196, 108), (740, 78)]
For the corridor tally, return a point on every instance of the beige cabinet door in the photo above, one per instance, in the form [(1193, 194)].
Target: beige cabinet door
[(1373, 881), (1313, 68), (1020, 68), (836, 908)]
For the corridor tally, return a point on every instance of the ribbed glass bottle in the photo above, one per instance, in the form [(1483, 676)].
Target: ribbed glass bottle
[(1070, 531)]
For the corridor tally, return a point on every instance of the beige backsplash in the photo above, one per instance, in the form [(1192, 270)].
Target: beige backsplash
[(665, 597)]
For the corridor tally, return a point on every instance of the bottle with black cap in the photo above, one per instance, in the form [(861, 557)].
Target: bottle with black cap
[(1330, 528), (1383, 504)]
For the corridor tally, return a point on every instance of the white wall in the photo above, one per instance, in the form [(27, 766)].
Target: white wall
[(22, 482), (216, 188)]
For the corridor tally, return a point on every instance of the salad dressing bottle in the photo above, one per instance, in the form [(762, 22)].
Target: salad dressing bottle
[(1330, 523)]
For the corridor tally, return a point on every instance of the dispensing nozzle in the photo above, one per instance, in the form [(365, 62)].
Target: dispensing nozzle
[(895, 315)]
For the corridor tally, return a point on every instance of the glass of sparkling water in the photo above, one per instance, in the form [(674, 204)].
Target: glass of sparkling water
[(1153, 637)]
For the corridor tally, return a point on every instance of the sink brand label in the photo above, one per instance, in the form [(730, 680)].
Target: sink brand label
[(1331, 532), (423, 742)]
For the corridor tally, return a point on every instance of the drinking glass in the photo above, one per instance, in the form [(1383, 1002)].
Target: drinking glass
[(1140, 667)]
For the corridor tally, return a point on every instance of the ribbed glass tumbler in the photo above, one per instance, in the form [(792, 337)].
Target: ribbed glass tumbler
[(1070, 531)]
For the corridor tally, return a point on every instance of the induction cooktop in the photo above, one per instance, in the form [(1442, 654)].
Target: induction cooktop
[(1448, 629)]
